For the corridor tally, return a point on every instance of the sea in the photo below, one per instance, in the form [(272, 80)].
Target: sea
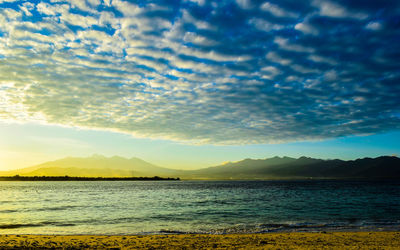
[(214, 207)]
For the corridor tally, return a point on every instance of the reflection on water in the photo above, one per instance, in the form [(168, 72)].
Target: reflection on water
[(197, 206)]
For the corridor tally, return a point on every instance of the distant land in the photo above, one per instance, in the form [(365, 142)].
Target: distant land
[(68, 178), (384, 167)]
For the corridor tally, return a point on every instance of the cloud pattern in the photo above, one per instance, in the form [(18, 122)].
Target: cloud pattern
[(198, 71)]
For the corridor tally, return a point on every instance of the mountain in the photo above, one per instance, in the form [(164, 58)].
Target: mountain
[(384, 167), (304, 167), (247, 168), (96, 165)]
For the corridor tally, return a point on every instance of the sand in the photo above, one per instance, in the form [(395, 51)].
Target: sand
[(338, 240)]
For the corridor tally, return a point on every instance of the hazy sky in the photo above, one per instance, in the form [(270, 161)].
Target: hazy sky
[(188, 84)]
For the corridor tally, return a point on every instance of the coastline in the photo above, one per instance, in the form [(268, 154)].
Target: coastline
[(75, 178), (293, 240)]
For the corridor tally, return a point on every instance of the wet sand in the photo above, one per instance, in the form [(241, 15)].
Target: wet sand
[(338, 240)]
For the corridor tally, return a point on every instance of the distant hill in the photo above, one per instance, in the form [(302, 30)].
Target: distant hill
[(304, 167), (247, 168), (383, 167), (94, 166)]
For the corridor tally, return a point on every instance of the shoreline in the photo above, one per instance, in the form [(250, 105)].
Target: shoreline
[(75, 178), (330, 239)]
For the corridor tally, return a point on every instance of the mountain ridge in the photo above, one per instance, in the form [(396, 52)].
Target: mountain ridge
[(386, 167), (97, 163)]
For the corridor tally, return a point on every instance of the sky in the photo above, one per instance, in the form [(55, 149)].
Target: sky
[(190, 84)]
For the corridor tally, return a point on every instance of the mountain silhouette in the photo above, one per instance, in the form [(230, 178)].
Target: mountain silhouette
[(96, 165), (384, 167), (305, 167)]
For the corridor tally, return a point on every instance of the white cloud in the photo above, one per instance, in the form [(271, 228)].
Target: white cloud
[(7, 1), (26, 7), (269, 72), (46, 8), (285, 44), (78, 20), (302, 69), (265, 25), (245, 4), (128, 9), (162, 72), (199, 2), (330, 75), (374, 26), (80, 4), (322, 59), (306, 28), (331, 9), (11, 14), (277, 11), (274, 57), (199, 23), (194, 38)]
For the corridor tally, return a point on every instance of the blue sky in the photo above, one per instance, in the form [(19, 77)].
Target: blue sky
[(27, 144), (194, 83)]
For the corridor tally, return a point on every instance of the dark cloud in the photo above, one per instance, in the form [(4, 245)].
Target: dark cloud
[(221, 72)]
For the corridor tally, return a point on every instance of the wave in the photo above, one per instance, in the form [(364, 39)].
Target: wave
[(41, 209), (55, 208), (6, 211), (40, 224), (292, 227), (12, 226), (235, 229), (166, 231)]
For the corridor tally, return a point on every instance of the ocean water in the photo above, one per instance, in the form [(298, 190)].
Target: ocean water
[(153, 207)]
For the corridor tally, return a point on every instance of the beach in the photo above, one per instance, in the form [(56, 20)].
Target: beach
[(294, 240), (199, 215)]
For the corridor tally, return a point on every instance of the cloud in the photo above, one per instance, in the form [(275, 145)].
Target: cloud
[(332, 9), (374, 26), (265, 25), (245, 4), (203, 72), (278, 11), (306, 28)]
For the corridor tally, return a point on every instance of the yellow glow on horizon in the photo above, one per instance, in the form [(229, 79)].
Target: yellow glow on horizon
[(225, 162), (11, 160)]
